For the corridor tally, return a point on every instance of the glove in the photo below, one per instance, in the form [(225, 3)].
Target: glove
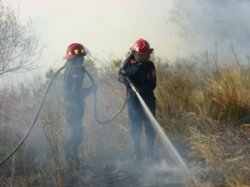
[(122, 77), (123, 72)]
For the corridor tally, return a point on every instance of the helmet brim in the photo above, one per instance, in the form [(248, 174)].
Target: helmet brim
[(150, 50), (69, 57)]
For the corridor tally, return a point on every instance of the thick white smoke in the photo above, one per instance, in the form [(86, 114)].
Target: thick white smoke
[(206, 25)]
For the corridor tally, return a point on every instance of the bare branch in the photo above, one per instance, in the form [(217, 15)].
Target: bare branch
[(18, 44)]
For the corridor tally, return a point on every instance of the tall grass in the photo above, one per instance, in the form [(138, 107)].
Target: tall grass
[(220, 94), (196, 104), (208, 108)]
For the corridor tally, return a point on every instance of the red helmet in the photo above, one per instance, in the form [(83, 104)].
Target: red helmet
[(141, 46), (74, 50)]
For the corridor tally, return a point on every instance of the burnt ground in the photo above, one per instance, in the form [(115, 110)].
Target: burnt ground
[(125, 172)]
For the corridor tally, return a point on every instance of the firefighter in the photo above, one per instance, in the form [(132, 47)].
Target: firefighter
[(141, 71), (74, 95)]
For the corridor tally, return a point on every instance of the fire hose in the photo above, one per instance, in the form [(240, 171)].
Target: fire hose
[(160, 132), (12, 152), (155, 124), (8, 156), (95, 105)]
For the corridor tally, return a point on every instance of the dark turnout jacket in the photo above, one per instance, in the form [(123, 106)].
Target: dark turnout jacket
[(73, 83), (142, 75)]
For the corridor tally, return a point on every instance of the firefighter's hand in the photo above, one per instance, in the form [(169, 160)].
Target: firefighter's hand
[(122, 77), (123, 72)]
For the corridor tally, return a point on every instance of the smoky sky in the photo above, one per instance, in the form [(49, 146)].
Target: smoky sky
[(206, 23)]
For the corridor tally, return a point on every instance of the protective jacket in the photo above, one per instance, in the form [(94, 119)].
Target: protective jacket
[(73, 81), (142, 75)]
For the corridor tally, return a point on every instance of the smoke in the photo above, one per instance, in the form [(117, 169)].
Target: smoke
[(106, 153), (163, 173), (209, 24)]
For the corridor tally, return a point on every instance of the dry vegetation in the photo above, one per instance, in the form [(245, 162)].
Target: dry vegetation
[(210, 109), (207, 109)]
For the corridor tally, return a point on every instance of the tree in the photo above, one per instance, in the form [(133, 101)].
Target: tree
[(18, 44)]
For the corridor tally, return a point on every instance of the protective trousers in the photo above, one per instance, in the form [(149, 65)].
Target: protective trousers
[(138, 119), (74, 116)]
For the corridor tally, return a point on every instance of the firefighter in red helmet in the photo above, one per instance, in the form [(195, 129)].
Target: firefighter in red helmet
[(74, 95), (141, 71)]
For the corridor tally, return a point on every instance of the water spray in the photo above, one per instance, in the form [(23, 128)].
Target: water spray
[(160, 131), (155, 124)]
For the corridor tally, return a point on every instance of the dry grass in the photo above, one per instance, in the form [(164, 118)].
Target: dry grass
[(204, 110), (227, 93), (207, 111)]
